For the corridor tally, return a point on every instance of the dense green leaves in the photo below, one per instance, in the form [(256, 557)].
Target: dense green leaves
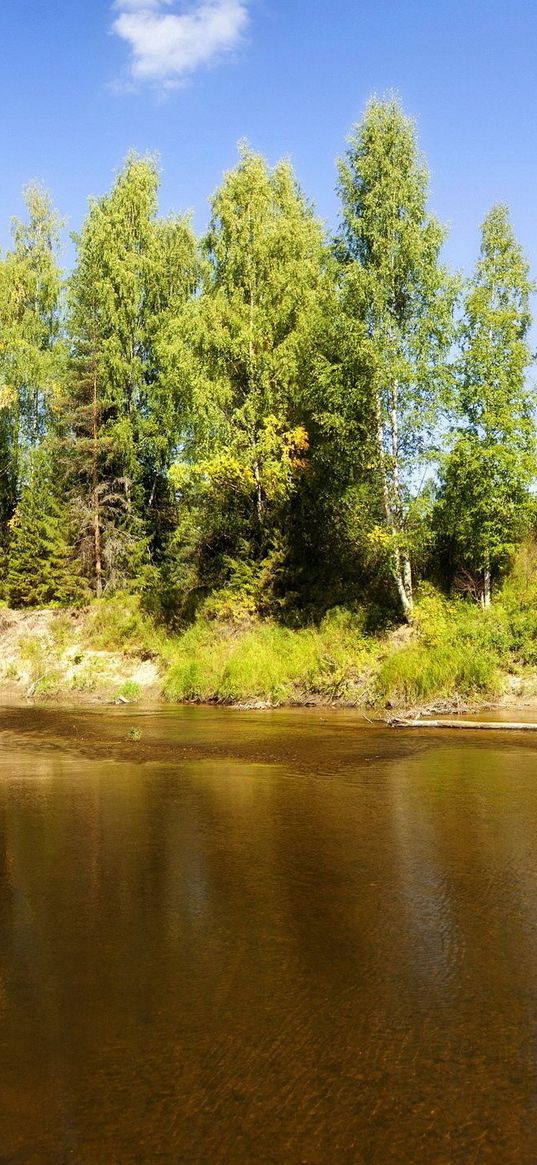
[(31, 354), (264, 421), (116, 425), (43, 566), (239, 350), (484, 503), (399, 302)]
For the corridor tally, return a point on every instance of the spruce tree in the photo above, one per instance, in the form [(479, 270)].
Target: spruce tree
[(42, 567)]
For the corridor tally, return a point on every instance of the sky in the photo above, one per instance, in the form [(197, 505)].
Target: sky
[(84, 81)]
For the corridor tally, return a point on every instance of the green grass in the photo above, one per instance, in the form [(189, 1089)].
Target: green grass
[(454, 649), (268, 663), (457, 650), (419, 673), (119, 624), (48, 685), (131, 691)]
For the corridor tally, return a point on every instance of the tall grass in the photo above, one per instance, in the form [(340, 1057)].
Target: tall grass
[(420, 673), (120, 624), (454, 649), (457, 650), (268, 663)]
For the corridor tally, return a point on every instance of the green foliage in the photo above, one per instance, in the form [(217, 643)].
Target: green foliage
[(120, 624), (239, 350), (235, 436), (48, 685), (458, 649), (31, 351), (90, 676), (118, 427), (270, 663), (29, 316), (484, 503), (398, 303), (457, 653), (34, 660), (130, 691), (42, 568)]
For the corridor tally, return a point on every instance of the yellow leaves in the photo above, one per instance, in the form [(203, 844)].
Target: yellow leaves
[(180, 476), (221, 474), (265, 462), (298, 445), (279, 455), (8, 396), (286, 444), (225, 472), (381, 538)]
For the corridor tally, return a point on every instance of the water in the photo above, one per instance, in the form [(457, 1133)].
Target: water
[(248, 938)]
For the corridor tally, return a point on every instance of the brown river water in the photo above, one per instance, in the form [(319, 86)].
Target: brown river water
[(283, 938)]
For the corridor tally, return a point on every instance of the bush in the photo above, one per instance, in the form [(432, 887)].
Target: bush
[(130, 691)]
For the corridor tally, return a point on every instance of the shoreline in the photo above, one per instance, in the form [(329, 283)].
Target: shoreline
[(11, 695), (113, 653)]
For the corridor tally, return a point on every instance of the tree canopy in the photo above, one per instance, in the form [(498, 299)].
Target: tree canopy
[(268, 419)]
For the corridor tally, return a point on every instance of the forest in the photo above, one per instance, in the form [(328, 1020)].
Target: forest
[(270, 423)]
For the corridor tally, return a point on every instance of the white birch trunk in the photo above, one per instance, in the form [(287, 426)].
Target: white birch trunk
[(486, 596), (391, 492)]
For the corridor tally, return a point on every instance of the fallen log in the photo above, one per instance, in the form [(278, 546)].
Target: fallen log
[(482, 725)]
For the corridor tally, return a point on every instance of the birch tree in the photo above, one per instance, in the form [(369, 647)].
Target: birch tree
[(399, 302), (484, 499), (30, 340), (238, 349)]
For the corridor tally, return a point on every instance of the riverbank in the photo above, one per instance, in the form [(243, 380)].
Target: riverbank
[(454, 657)]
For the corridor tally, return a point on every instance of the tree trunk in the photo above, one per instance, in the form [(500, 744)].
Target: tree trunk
[(391, 493), (402, 573), (97, 549), (486, 596), (258, 494), (407, 583)]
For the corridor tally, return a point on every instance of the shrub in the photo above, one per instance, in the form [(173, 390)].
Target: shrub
[(130, 691)]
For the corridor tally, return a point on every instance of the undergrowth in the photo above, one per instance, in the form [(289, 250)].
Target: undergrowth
[(459, 650), (453, 649), (266, 662)]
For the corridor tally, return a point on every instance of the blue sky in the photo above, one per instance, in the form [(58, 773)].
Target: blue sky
[(82, 81)]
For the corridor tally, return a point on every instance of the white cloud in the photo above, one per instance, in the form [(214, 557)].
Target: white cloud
[(167, 45)]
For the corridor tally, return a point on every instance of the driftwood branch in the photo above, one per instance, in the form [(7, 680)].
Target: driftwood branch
[(482, 725)]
